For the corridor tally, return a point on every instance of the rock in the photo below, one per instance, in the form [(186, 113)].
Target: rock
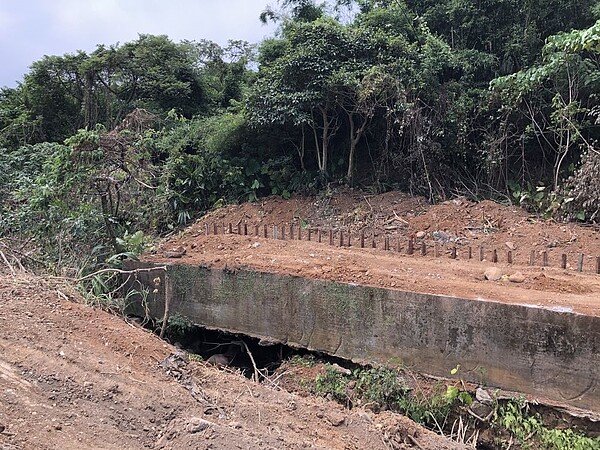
[(510, 245), (340, 369), (196, 424), (482, 396), (175, 253), (517, 277), (441, 236), (420, 235), (335, 419), (219, 360), (493, 274)]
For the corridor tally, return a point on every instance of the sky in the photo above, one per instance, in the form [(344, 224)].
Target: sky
[(30, 29)]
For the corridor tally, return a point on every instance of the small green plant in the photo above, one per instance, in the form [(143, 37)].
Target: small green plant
[(385, 388), (333, 384), (303, 360), (382, 386), (531, 433), (539, 199), (133, 245), (195, 357), (177, 326)]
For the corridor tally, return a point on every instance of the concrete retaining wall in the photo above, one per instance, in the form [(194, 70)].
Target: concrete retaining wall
[(545, 353)]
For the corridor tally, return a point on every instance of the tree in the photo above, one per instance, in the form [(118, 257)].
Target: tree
[(557, 97)]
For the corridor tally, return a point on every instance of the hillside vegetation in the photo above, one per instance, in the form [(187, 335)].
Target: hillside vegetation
[(488, 99)]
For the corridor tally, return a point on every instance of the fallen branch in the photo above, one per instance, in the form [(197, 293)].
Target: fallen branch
[(481, 419), (415, 442), (8, 264), (168, 294), (256, 370)]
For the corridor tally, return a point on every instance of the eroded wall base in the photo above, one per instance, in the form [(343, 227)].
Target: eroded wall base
[(548, 354)]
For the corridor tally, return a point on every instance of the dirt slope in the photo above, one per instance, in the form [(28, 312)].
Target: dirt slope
[(75, 377), (456, 224)]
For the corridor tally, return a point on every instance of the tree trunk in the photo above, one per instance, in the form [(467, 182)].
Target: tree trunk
[(355, 137), (325, 140)]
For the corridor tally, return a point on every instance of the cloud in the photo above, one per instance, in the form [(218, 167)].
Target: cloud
[(33, 28)]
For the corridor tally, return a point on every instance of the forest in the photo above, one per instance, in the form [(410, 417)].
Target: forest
[(482, 98)]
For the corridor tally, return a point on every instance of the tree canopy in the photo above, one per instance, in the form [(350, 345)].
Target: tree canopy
[(488, 98)]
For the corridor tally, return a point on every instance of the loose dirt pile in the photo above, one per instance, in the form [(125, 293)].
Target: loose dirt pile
[(75, 377), (460, 224)]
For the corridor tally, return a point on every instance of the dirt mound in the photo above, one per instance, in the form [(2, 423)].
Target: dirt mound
[(453, 244), (74, 377)]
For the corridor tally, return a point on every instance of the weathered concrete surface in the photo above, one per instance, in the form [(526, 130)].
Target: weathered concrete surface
[(549, 354)]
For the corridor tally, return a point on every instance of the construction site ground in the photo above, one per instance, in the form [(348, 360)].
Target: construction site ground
[(73, 376), (458, 223)]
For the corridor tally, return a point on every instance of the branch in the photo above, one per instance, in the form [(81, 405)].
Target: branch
[(7, 263), (256, 370), (168, 295)]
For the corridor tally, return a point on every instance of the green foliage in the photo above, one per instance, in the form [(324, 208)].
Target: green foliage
[(384, 388), (582, 189), (303, 361), (334, 384), (531, 433), (538, 199), (177, 327)]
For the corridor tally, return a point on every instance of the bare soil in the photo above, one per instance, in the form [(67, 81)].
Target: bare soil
[(76, 377), (73, 376), (469, 227)]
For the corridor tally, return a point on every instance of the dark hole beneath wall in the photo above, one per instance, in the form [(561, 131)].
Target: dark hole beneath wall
[(234, 350)]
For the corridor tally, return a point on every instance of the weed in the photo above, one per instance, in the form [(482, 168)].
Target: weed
[(303, 360), (195, 357), (333, 384), (381, 386), (531, 433), (177, 326), (385, 388)]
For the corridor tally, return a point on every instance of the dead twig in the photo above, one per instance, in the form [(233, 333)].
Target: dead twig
[(415, 442), (168, 294), (481, 419), (257, 372), (8, 264)]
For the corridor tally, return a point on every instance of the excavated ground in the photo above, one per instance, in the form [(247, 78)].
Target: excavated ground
[(75, 377), (457, 223)]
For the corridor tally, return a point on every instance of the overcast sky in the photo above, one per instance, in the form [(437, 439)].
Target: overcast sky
[(30, 29)]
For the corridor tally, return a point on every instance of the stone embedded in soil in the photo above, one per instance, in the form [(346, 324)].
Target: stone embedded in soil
[(196, 424), (441, 236), (420, 235), (335, 419), (493, 274), (481, 410), (483, 396), (510, 245), (517, 277)]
